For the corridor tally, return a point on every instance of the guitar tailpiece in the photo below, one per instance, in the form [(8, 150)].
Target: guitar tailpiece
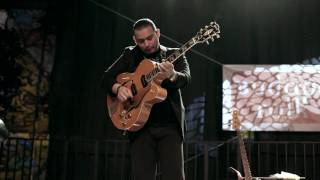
[(124, 133)]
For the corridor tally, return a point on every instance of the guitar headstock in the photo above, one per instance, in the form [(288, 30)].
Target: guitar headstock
[(235, 120), (209, 32)]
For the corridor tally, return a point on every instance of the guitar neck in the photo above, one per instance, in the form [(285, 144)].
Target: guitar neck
[(244, 158), (209, 32), (179, 52), (172, 58)]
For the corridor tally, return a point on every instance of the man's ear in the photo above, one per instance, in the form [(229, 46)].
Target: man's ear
[(158, 32), (134, 39)]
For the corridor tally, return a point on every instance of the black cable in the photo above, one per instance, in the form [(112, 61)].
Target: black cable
[(211, 149)]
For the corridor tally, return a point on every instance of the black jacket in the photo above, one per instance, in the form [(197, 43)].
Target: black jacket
[(128, 62)]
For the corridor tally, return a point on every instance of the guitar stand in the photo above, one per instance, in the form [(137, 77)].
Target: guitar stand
[(239, 176)]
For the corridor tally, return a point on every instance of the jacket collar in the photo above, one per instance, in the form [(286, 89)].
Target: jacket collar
[(162, 52)]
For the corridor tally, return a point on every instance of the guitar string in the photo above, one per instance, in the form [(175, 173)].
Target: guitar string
[(162, 35)]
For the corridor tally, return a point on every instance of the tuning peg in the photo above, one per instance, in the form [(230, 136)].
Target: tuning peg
[(218, 36), (207, 42), (206, 27), (211, 23)]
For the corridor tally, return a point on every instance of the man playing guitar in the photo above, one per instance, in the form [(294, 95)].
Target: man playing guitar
[(160, 140)]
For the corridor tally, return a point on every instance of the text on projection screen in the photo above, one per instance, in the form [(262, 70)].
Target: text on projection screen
[(272, 97)]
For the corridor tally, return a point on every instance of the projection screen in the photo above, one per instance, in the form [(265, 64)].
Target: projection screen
[(272, 97)]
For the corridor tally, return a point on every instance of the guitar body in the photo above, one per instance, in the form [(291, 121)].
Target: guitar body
[(132, 114)]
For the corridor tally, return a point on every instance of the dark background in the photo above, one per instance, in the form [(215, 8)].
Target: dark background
[(92, 34)]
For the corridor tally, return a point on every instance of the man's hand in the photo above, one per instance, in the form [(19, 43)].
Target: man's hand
[(123, 93), (166, 70)]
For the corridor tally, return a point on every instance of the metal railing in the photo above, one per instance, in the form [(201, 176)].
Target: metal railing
[(23, 158), (110, 159)]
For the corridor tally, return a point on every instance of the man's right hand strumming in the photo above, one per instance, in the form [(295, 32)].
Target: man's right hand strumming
[(123, 93)]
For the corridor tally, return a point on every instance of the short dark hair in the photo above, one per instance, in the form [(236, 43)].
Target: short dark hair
[(143, 23)]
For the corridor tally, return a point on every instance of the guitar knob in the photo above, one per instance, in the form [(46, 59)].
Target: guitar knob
[(123, 113), (129, 115)]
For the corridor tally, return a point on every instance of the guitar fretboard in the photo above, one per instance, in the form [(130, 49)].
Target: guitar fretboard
[(209, 32), (172, 58), (243, 153), (244, 157)]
